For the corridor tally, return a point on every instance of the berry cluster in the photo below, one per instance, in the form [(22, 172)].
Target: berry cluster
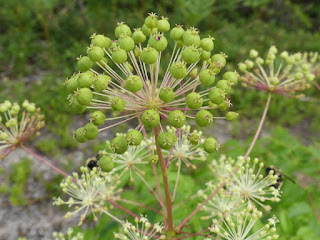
[(18, 123), (284, 74)]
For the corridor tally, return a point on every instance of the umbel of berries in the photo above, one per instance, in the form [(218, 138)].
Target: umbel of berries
[(125, 79)]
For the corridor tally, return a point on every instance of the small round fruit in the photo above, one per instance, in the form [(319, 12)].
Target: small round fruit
[(84, 96), (133, 83), (126, 43), (195, 139), (151, 21), (210, 145), (176, 33), (78, 135), (191, 37), (101, 82), (224, 106), (119, 144), (203, 118), (138, 36), (207, 44), (158, 42), (75, 107), (163, 25), (95, 53), (85, 79), (99, 40), (224, 85), (177, 119), (150, 118), (117, 104), (149, 55), (231, 116), (84, 64), (119, 55), (217, 96), (122, 29), (72, 83), (194, 100), (97, 118), (190, 54), (207, 77), (153, 159), (166, 94), (205, 55), (134, 137), (233, 77), (166, 140), (147, 31), (90, 131), (178, 70), (221, 58), (106, 163)]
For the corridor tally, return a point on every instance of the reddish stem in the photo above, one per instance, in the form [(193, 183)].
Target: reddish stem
[(123, 209)]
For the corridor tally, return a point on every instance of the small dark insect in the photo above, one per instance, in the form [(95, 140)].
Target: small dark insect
[(92, 162), (276, 171)]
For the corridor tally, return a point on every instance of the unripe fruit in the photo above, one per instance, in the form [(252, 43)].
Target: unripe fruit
[(274, 80), (205, 55), (101, 82), (153, 159), (231, 116), (150, 118), (151, 21), (163, 25), (134, 137), (97, 118), (147, 31), (166, 140), (194, 100), (158, 42), (217, 96), (242, 67), (119, 55), (84, 64), (78, 135), (221, 58), (207, 44), (249, 64), (137, 51), (133, 83), (195, 139), (149, 55), (84, 96), (210, 145), (117, 104), (126, 43), (90, 131), (223, 106), (72, 83), (103, 61), (85, 79), (166, 94), (95, 53), (176, 33), (232, 77), (75, 107), (106, 164), (284, 55), (177, 118), (191, 37), (178, 70), (207, 77), (190, 54), (253, 53), (31, 107), (119, 144), (99, 40), (203, 118), (122, 29), (194, 73), (3, 136), (298, 76), (224, 85), (138, 36)]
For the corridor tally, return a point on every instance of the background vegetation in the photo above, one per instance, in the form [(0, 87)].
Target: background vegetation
[(40, 39)]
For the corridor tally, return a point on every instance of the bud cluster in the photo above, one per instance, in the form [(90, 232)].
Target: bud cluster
[(68, 236), (18, 123)]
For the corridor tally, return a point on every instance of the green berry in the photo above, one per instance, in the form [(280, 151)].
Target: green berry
[(220, 58), (205, 55), (224, 85), (195, 139), (207, 44), (194, 73), (133, 83), (232, 77), (242, 67), (149, 55), (3, 136), (151, 21), (190, 54), (253, 53), (119, 144), (210, 145), (216, 96), (101, 82), (150, 118), (163, 25), (194, 100), (231, 116), (106, 163), (122, 29), (203, 118), (134, 137), (78, 135), (84, 96), (158, 42), (117, 104), (125, 42), (84, 64), (223, 106), (166, 94), (119, 55), (166, 140), (137, 51), (177, 119), (191, 37), (153, 159), (72, 83), (178, 70), (97, 118), (85, 79), (128, 66), (207, 77), (99, 40), (95, 53), (147, 31), (176, 33), (138, 36), (90, 131), (75, 107)]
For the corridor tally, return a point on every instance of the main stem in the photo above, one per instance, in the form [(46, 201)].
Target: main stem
[(184, 222), (165, 184)]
